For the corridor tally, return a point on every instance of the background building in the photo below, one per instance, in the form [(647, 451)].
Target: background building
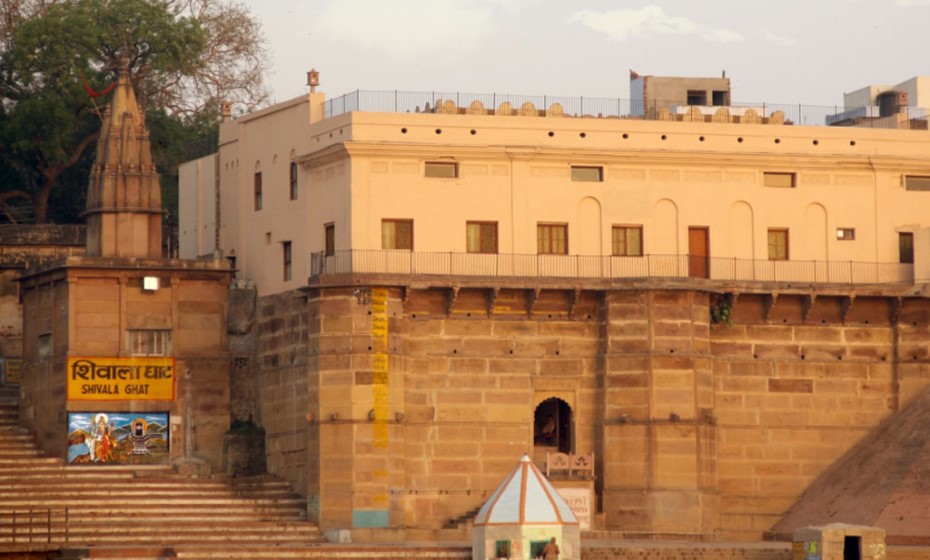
[(717, 306)]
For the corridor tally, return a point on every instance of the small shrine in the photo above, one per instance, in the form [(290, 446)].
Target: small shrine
[(839, 541), (522, 516)]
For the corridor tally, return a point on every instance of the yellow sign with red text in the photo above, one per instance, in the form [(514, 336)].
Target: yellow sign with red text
[(121, 379)]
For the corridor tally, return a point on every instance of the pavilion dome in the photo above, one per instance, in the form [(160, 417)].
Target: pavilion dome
[(525, 498)]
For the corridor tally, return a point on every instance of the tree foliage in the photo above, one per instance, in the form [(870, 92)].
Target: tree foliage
[(184, 56)]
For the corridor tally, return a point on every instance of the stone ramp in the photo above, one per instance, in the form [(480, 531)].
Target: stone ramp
[(132, 512), (882, 482)]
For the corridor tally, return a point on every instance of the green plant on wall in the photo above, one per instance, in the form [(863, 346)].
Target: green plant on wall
[(721, 307)]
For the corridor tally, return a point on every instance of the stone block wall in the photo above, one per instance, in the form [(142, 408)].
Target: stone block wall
[(698, 429)]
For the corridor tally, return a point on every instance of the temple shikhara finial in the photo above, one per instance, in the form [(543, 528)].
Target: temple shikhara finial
[(124, 211)]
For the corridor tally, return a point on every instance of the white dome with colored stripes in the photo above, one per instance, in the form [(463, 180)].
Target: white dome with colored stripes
[(525, 498)]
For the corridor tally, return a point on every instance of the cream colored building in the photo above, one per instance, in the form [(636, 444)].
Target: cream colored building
[(716, 304), (287, 175)]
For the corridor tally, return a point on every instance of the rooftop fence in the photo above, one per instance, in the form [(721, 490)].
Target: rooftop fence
[(499, 265), (600, 107)]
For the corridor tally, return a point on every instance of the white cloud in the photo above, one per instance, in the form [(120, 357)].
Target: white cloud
[(909, 3), (413, 27), (780, 40), (623, 25)]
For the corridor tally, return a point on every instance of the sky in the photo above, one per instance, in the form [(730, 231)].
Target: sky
[(809, 52)]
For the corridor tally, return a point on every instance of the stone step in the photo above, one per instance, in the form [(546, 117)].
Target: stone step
[(326, 551), (93, 484), (175, 536)]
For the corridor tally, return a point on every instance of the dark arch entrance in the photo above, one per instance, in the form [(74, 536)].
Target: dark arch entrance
[(553, 425)]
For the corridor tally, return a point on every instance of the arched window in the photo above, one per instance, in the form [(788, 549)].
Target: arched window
[(553, 425)]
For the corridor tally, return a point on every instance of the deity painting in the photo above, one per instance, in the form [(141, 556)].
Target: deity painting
[(117, 438)]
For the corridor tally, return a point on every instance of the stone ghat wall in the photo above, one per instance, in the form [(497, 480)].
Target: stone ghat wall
[(697, 428), (797, 386)]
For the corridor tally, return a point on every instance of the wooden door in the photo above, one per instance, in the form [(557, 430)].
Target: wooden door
[(698, 252)]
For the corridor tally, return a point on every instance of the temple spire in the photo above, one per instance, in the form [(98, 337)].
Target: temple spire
[(124, 210)]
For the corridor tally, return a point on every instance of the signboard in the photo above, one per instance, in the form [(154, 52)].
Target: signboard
[(11, 369), (579, 499), (118, 438), (121, 379)]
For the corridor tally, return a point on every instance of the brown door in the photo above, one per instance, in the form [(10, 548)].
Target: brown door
[(698, 252)]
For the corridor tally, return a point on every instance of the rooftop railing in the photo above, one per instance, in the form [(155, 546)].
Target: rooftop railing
[(608, 267), (600, 107)]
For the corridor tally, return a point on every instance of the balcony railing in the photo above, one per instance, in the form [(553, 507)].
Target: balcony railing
[(607, 267), (573, 106)]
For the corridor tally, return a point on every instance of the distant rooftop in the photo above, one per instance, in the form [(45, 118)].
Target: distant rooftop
[(442, 102)]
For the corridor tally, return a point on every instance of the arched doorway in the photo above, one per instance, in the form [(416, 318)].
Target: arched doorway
[(553, 426)]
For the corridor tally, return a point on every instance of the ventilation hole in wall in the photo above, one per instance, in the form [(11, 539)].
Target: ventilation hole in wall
[(549, 316), (740, 139), (369, 311), (557, 352), (852, 142), (671, 351), (823, 321), (551, 134), (882, 358), (815, 142), (784, 320), (778, 140), (511, 350), (473, 132), (438, 131), (403, 130), (589, 316), (866, 321), (664, 137), (468, 314), (914, 324), (340, 132), (369, 348), (625, 135), (583, 135), (330, 134), (454, 351), (915, 357), (701, 138), (802, 356), (414, 316), (839, 357), (755, 356)]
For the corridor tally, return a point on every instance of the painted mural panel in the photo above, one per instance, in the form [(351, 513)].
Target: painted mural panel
[(119, 438), (120, 379)]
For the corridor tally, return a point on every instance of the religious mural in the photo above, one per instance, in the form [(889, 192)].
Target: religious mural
[(120, 438)]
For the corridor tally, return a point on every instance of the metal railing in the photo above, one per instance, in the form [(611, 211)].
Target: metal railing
[(34, 526), (499, 265), (579, 106)]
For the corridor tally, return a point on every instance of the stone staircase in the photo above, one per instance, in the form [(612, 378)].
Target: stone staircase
[(137, 512)]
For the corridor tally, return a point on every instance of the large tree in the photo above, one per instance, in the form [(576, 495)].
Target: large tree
[(183, 58)]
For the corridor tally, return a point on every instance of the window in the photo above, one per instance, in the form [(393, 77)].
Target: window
[(44, 347), (258, 191), (587, 173), (779, 179), (481, 237), (552, 239), (397, 234), (697, 97), (906, 248), (502, 549), (329, 239), (778, 244), (442, 169), (293, 181), (721, 98), (627, 241), (917, 182), (846, 234), (149, 342), (288, 262)]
